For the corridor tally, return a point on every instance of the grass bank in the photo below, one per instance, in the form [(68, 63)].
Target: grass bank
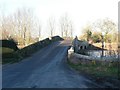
[(97, 70), (103, 74)]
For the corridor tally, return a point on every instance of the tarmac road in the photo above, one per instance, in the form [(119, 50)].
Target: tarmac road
[(45, 69)]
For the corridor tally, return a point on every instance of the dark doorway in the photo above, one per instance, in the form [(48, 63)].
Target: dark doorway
[(81, 47)]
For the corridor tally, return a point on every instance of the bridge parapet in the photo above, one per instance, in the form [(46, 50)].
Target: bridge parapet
[(28, 50)]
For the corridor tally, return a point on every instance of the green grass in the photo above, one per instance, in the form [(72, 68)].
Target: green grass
[(10, 58), (5, 50), (8, 55), (97, 70)]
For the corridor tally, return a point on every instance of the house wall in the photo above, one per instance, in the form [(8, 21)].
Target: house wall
[(79, 45)]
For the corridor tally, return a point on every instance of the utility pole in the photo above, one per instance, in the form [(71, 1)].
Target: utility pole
[(118, 64), (102, 44)]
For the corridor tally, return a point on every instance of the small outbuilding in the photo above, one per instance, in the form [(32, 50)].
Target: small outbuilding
[(79, 45)]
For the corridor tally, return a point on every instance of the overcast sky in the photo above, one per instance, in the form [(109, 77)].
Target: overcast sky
[(81, 12)]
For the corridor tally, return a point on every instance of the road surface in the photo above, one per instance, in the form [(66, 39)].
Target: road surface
[(45, 69)]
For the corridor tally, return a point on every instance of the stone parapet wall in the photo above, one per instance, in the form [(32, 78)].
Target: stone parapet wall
[(83, 59)]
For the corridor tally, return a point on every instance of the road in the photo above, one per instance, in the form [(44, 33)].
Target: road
[(45, 69)]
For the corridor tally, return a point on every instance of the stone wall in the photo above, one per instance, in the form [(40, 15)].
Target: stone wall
[(83, 59), (26, 51)]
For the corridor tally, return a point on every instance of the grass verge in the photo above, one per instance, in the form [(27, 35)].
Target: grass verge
[(97, 70), (103, 75)]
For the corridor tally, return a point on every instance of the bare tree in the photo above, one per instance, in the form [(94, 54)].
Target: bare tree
[(7, 27), (18, 26), (66, 26), (39, 28), (52, 25), (39, 32), (24, 24), (62, 25), (107, 26), (71, 29)]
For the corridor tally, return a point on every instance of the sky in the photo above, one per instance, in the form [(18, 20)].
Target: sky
[(81, 12)]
